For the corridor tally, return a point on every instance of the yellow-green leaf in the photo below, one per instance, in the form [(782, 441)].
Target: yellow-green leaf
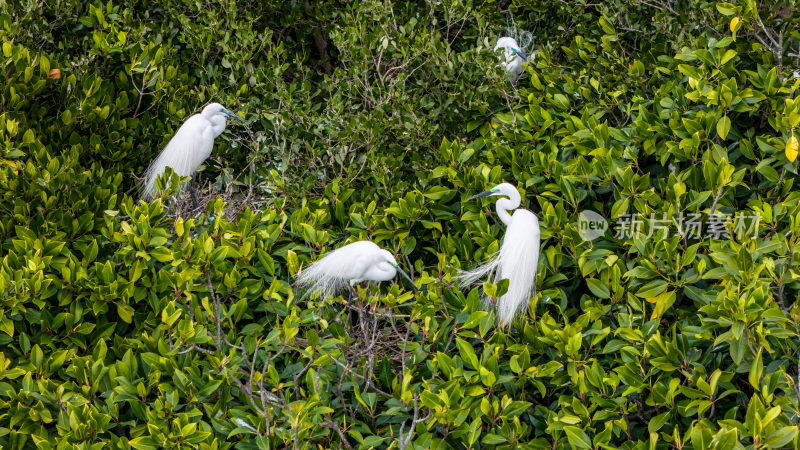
[(734, 24), (28, 137), (755, 372), (291, 260), (723, 127), (791, 148)]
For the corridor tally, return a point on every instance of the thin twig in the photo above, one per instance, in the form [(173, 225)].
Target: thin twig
[(716, 199), (405, 440)]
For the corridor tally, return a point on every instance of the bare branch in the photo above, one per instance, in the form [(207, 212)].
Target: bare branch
[(348, 370), (716, 199), (405, 440), (330, 424)]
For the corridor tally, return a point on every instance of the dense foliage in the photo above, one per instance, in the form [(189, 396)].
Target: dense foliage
[(125, 324)]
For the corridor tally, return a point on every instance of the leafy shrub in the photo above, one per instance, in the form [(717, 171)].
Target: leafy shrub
[(125, 325)]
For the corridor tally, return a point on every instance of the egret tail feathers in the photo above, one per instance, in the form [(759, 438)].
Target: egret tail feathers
[(156, 168), (322, 278), (147, 186), (517, 263), (466, 279), (180, 160)]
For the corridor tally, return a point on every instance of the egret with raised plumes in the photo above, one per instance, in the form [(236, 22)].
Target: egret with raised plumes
[(353, 263), (517, 259), (513, 57), (191, 145)]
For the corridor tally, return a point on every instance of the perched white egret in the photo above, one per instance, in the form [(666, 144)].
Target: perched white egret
[(517, 259), (190, 146), (353, 263), (513, 56)]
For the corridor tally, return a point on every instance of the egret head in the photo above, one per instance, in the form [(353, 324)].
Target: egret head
[(216, 114), (215, 109), (387, 258), (505, 189), (510, 48)]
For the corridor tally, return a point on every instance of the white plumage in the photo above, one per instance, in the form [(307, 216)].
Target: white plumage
[(190, 146), (513, 57), (353, 263), (518, 258)]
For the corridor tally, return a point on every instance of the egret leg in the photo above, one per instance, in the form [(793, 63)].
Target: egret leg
[(195, 203), (363, 310), (352, 319), (352, 291)]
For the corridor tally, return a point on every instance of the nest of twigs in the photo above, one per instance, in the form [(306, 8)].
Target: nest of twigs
[(235, 202), (182, 204), (377, 332)]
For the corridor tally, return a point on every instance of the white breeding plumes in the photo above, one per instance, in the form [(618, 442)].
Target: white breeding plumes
[(190, 146), (518, 258), (353, 263), (513, 56)]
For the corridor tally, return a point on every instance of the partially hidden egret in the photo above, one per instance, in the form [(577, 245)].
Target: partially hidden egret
[(513, 56), (191, 145), (517, 259), (353, 263)]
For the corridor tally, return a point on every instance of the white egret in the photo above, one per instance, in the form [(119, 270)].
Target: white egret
[(517, 259), (190, 146), (353, 263), (513, 56)]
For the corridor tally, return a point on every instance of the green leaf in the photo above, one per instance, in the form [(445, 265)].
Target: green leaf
[(474, 319), (723, 127), (726, 439), (598, 288), (652, 289), (755, 372), (144, 443), (781, 437), (494, 439), (729, 54), (577, 437), (28, 137), (726, 9), (125, 312), (663, 302), (170, 319), (658, 421), (701, 437), (467, 353), (291, 262)]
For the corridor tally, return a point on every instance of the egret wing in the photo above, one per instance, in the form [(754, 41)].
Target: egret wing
[(518, 261), (188, 148), (335, 269)]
